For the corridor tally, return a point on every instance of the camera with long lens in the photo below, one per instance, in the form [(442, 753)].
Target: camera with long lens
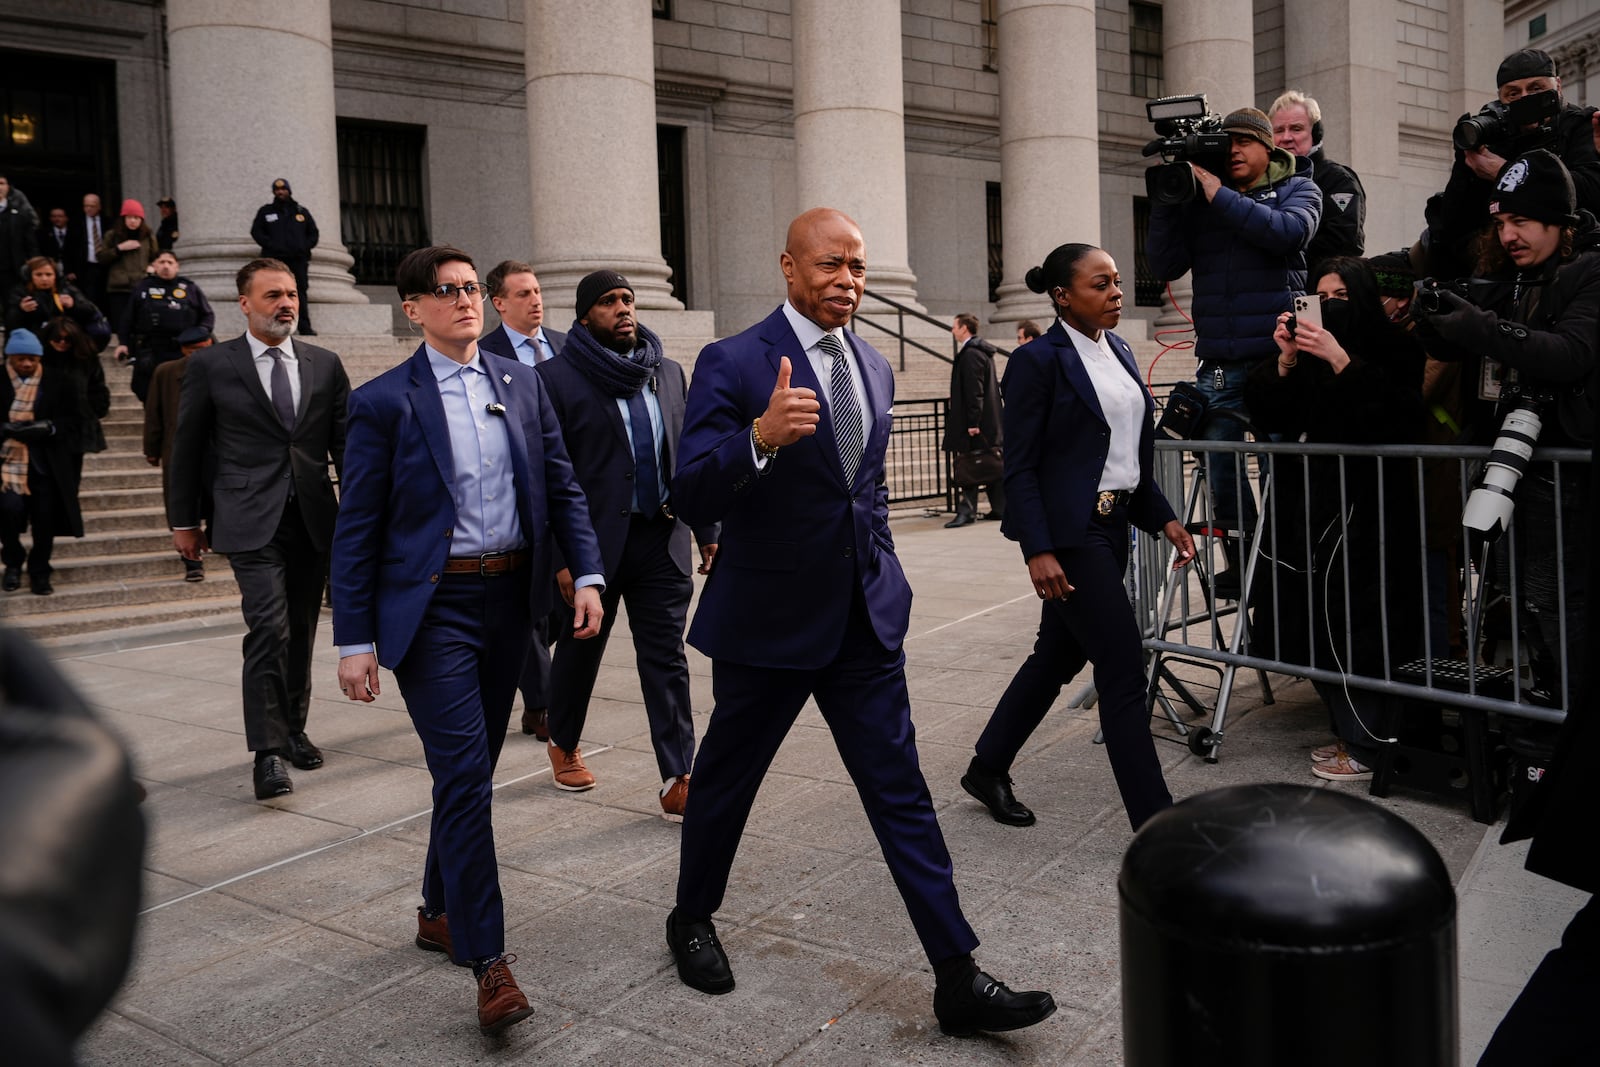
[(1491, 502), (1526, 123), (1186, 132)]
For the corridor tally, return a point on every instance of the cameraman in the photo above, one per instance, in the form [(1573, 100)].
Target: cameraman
[(1530, 334), (1297, 127), (1245, 240), (1456, 215)]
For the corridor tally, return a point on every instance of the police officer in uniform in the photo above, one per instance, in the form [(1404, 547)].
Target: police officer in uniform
[(286, 231), (162, 306)]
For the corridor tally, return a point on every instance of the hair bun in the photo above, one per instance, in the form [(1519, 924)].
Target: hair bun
[(1034, 279)]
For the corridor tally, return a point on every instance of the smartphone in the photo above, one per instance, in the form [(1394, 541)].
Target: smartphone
[(1308, 309)]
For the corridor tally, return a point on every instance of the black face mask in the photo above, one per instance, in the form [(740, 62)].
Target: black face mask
[(1336, 319)]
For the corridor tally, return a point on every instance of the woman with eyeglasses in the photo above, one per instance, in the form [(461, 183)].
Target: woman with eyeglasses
[(455, 484), (1078, 472)]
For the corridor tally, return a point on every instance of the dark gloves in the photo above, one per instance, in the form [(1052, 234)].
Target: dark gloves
[(29, 432), (1457, 321)]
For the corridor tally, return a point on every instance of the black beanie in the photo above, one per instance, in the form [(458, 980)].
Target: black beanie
[(283, 182), (1528, 63), (1536, 186), (596, 285)]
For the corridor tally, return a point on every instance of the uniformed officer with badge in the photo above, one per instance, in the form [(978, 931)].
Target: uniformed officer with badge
[(161, 307), (286, 231)]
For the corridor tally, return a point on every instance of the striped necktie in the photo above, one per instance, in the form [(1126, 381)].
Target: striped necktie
[(847, 429)]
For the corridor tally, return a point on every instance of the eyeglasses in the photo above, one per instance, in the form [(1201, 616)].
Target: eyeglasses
[(451, 294)]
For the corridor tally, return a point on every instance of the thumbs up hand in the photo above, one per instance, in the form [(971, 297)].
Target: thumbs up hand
[(791, 413)]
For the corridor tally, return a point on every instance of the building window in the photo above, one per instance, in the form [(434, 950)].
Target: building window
[(674, 210), (381, 203), (991, 196), (1536, 27), (991, 34), (661, 9), (1147, 288), (1144, 51)]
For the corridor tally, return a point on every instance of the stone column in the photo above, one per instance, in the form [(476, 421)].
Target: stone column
[(592, 147), (1049, 141), (252, 100), (1345, 59), (1209, 48), (849, 128)]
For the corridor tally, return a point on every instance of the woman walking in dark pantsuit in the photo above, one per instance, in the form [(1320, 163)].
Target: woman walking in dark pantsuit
[(1079, 447)]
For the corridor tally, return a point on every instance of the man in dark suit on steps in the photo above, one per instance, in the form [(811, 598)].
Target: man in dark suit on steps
[(270, 414)]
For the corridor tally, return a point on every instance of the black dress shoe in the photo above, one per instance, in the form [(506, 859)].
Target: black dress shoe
[(961, 519), (995, 516), (13, 580), (302, 753), (41, 586), (995, 792), (272, 778), (536, 721), (963, 1008), (701, 962)]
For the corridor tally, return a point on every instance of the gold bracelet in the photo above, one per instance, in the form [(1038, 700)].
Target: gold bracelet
[(760, 442), (1289, 365)]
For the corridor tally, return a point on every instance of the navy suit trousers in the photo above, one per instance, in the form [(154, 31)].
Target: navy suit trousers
[(1094, 625), (458, 680), (862, 695)]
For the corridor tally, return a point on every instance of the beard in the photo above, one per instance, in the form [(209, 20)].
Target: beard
[(623, 346), (266, 327)]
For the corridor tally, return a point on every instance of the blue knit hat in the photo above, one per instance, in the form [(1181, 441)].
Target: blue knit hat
[(23, 343)]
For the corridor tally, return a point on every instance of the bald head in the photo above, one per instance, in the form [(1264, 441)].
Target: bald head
[(824, 264)]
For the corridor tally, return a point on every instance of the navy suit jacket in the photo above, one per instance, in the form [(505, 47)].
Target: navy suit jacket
[(499, 342), (397, 505), (797, 532), (1056, 444), (602, 455)]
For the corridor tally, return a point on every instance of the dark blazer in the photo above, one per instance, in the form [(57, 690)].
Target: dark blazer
[(397, 507), (974, 399), (60, 398), (602, 454), (49, 246), (1056, 444), (499, 342), (76, 256), (224, 411), (797, 529)]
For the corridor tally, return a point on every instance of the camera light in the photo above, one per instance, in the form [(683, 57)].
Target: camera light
[(1177, 107)]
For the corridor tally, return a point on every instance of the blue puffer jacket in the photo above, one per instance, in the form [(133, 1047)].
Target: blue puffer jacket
[(1247, 252)]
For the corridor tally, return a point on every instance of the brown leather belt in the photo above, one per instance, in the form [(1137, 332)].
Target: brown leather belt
[(488, 563), (1108, 501)]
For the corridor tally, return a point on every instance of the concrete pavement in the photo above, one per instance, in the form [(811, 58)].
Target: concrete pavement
[(281, 932)]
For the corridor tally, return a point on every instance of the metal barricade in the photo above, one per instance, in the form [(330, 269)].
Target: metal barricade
[(916, 466)]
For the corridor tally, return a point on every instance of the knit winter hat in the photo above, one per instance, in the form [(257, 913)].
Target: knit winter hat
[(131, 208), (23, 343), (1536, 186), (596, 285), (1249, 122), (1527, 63)]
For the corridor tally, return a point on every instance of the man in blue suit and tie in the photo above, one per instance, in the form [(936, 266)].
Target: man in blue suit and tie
[(783, 442), (514, 290), (455, 482)]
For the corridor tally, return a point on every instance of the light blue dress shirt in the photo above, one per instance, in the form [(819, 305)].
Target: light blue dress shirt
[(539, 351)]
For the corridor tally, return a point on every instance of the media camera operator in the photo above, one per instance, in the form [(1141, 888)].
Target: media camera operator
[(1529, 113), (1245, 239), (1297, 128), (1526, 335)]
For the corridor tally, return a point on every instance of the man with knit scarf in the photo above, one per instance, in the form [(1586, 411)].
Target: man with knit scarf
[(620, 403)]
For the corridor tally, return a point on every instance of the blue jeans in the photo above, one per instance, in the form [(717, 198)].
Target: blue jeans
[(1222, 384)]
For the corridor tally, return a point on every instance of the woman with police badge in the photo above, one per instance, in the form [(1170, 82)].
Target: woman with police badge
[(1079, 453)]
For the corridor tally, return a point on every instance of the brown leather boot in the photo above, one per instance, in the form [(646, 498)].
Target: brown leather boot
[(434, 936), (500, 1002)]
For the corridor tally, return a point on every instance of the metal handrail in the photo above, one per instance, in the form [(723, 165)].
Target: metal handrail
[(899, 332)]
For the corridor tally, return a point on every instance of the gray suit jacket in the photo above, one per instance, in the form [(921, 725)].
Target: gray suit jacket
[(223, 411)]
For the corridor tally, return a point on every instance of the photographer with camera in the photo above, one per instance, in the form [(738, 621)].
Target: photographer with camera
[(1528, 114), (1245, 239), (1297, 127), (1526, 335)]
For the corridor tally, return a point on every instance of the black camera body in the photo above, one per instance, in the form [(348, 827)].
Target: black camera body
[(1427, 300), (1186, 132), (1520, 126)]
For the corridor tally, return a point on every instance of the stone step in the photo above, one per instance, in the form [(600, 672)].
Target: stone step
[(151, 536), (117, 459), (113, 499), (126, 566), (118, 598), (97, 479), (123, 519), (134, 624)]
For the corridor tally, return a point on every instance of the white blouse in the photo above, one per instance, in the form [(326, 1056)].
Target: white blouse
[(1121, 400)]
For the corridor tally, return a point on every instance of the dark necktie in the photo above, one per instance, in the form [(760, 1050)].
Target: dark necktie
[(282, 395), (646, 489), (846, 410)]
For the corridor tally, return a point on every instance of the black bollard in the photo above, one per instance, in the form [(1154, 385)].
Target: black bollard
[(1275, 925)]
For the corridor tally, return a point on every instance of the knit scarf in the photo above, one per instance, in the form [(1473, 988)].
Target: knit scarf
[(14, 454), (614, 374)]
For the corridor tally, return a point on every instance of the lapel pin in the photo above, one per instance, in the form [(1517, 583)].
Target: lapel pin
[(506, 378)]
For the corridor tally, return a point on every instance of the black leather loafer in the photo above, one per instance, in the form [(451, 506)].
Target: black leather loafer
[(272, 778), (701, 962), (960, 520), (995, 792), (302, 753), (13, 580), (964, 1008)]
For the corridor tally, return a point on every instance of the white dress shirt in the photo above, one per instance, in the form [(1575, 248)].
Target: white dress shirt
[(263, 362), (1121, 401)]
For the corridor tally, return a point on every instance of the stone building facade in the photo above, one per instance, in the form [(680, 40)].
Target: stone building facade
[(673, 139)]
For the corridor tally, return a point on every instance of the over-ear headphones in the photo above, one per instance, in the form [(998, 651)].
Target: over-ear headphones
[(1316, 133)]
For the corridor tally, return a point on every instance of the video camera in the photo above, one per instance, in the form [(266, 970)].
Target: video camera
[(1188, 132), (1520, 126)]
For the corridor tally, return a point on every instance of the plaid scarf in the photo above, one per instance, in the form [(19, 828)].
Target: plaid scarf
[(14, 454)]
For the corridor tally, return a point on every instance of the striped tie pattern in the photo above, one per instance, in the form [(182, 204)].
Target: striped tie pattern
[(847, 428)]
